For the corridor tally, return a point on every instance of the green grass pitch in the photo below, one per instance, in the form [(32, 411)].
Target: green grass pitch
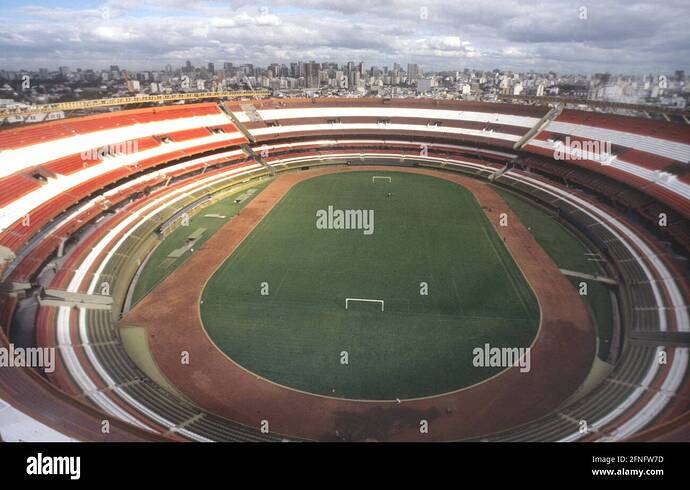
[(428, 230), (159, 265)]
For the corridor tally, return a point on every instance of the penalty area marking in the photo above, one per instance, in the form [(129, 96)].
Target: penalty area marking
[(373, 178), (347, 301)]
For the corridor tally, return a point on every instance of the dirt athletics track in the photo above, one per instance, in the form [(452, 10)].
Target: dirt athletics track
[(561, 355)]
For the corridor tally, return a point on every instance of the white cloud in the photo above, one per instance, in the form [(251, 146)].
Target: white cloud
[(113, 33)]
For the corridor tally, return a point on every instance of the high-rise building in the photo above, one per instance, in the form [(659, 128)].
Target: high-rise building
[(312, 74), (353, 78), (412, 71), (274, 70)]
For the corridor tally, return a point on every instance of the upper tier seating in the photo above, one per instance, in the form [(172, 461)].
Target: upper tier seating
[(16, 186), (651, 157), (64, 128), (378, 103), (19, 152), (472, 122), (646, 127)]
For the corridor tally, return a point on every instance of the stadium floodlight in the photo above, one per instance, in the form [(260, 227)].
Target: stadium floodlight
[(373, 179), (366, 300)]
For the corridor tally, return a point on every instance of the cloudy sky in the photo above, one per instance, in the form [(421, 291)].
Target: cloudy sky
[(619, 36)]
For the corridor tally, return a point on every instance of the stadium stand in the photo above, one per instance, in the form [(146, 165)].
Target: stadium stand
[(91, 221)]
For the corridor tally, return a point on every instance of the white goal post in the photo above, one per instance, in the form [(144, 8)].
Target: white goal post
[(347, 301), (373, 178)]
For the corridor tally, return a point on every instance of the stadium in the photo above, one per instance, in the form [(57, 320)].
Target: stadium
[(348, 269)]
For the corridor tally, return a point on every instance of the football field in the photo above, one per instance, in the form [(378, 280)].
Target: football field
[(427, 255)]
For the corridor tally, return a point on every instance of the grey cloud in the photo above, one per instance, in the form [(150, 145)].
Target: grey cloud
[(632, 35)]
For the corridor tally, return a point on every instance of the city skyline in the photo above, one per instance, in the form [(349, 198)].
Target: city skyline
[(564, 36), (314, 79), (219, 64)]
